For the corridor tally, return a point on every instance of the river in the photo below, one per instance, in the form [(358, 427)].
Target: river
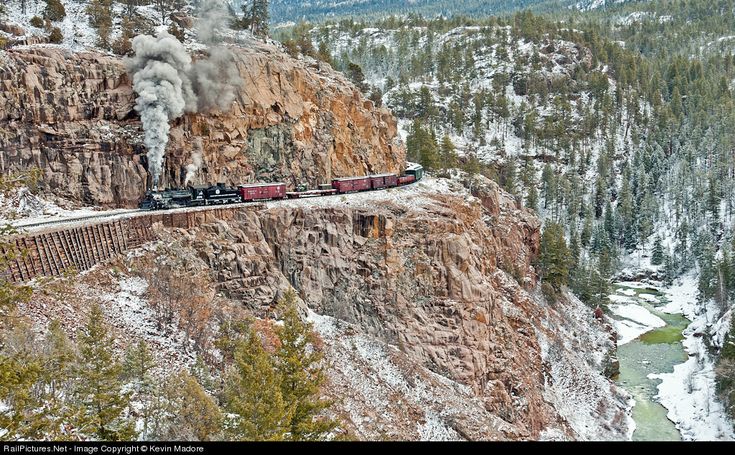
[(645, 350)]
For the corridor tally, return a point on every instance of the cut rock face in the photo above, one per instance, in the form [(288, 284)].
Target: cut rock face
[(71, 114)]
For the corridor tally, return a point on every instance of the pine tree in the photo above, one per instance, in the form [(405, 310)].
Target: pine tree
[(555, 257), (355, 74), (447, 154), (20, 371), (54, 10), (302, 375), (258, 18), (421, 146), (138, 365), (100, 388), (657, 254), (253, 394), (194, 414), (100, 17), (58, 357)]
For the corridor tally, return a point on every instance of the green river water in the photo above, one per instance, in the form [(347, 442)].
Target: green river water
[(656, 351)]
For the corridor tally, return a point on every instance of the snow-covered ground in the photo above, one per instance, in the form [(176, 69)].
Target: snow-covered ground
[(594, 407), (21, 208), (689, 392)]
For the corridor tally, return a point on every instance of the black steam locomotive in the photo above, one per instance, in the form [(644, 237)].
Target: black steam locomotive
[(191, 196)]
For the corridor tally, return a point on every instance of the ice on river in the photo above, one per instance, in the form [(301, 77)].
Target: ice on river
[(636, 320)]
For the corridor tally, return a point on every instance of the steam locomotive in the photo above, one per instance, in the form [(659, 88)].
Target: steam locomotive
[(193, 196)]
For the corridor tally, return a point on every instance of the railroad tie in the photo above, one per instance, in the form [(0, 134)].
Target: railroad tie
[(83, 248), (50, 256), (40, 256)]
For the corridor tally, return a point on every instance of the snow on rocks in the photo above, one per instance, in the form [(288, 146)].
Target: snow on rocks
[(384, 395), (594, 407)]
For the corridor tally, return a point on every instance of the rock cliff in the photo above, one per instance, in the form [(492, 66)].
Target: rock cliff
[(72, 115), (440, 284)]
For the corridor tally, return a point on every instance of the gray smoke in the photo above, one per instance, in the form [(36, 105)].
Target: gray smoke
[(216, 80), (160, 71), (196, 161), (212, 22), (168, 84)]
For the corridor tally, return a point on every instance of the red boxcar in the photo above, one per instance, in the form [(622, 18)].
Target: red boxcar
[(255, 191), (383, 181), (350, 184), (406, 179)]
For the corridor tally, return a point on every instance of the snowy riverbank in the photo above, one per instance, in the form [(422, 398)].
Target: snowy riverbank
[(689, 392)]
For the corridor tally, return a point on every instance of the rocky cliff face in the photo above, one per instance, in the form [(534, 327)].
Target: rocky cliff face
[(436, 286), (72, 115)]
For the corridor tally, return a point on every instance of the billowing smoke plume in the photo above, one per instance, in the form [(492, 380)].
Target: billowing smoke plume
[(196, 160), (169, 84), (160, 71)]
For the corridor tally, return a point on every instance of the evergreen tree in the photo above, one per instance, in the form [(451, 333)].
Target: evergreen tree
[(555, 257), (447, 154), (20, 371), (138, 365), (58, 358), (355, 74), (100, 388), (194, 414), (253, 394), (657, 254), (100, 17), (421, 146), (302, 375), (256, 17)]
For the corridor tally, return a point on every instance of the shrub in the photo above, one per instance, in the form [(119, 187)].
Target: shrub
[(37, 22), (122, 46), (56, 36), (54, 10), (549, 293), (3, 42)]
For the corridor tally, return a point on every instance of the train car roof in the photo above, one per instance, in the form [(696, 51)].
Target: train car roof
[(347, 179), (382, 175), (256, 185)]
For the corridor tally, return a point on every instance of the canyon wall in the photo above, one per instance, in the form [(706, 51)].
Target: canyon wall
[(299, 121), (443, 282)]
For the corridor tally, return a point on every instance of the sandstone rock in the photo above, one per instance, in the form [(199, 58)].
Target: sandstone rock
[(13, 29)]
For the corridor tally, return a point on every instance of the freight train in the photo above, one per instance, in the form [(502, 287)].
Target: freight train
[(194, 196)]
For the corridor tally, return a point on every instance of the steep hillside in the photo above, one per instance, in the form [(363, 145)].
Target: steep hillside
[(424, 298)]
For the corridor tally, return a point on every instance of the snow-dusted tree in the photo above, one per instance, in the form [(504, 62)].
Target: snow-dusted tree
[(301, 368), (54, 10), (253, 394), (657, 253), (190, 412), (100, 387)]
